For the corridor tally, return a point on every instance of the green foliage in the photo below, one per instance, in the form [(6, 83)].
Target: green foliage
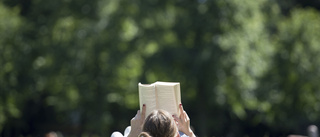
[(8, 29), (247, 68), (297, 62)]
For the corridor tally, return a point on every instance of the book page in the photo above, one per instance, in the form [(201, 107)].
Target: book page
[(178, 96), (168, 96), (147, 96)]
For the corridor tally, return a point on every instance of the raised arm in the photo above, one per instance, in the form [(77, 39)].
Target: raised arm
[(184, 122), (137, 122)]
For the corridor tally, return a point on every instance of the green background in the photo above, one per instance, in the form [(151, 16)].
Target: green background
[(246, 67)]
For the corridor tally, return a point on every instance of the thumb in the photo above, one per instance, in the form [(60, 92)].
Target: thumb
[(176, 118)]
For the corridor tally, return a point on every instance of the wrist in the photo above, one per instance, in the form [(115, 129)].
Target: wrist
[(190, 133), (134, 132)]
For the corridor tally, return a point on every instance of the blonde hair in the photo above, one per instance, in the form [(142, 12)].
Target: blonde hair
[(159, 124), (144, 134)]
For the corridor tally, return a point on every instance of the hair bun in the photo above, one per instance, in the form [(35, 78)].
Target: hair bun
[(144, 134)]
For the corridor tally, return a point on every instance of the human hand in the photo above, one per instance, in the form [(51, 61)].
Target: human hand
[(137, 122), (184, 122)]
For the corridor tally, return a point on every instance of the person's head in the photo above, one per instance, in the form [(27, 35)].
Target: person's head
[(159, 124)]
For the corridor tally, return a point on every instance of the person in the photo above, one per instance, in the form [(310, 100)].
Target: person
[(159, 123)]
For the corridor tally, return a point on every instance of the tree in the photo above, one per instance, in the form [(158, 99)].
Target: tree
[(74, 66)]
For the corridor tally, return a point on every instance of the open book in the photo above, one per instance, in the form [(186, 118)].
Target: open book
[(160, 95)]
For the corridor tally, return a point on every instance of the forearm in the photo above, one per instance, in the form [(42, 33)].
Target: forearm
[(131, 135), (134, 132), (190, 134)]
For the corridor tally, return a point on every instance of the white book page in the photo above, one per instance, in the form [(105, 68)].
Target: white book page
[(147, 96), (178, 97), (166, 96)]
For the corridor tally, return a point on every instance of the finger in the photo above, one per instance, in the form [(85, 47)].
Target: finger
[(143, 113), (186, 115), (176, 118), (181, 110), (183, 115)]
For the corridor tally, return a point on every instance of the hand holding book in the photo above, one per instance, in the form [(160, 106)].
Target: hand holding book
[(137, 122), (184, 122)]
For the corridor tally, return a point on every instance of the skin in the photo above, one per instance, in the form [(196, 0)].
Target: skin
[(137, 122), (183, 122)]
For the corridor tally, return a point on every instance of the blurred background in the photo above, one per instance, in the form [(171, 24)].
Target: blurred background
[(246, 67)]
